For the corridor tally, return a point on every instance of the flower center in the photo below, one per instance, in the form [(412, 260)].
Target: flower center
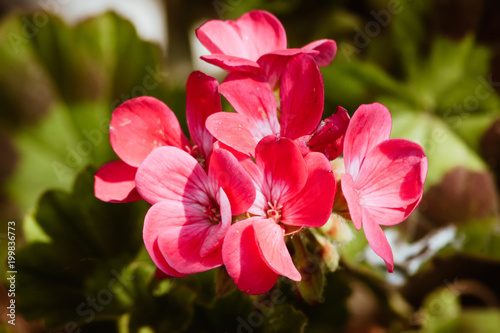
[(212, 214), (274, 211)]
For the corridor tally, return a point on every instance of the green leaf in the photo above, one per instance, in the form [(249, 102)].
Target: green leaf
[(76, 270)]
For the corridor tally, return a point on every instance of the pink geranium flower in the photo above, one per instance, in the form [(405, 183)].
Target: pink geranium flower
[(293, 192), (300, 109), (141, 124), (191, 212), (256, 40), (384, 177)]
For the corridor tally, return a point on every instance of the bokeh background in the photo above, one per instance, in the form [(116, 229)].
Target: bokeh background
[(66, 64)]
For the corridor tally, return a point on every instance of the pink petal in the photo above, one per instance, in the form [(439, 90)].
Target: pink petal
[(274, 63), (202, 100), (352, 198), (391, 175), (180, 231), (171, 173), (252, 35), (370, 125), (271, 241), (231, 63), (329, 136), (251, 96), (313, 205), (326, 48), (260, 205), (302, 97), (377, 241), (150, 235), (235, 131), (231, 176), (283, 168), (115, 182), (239, 155), (215, 235), (141, 124), (160, 262), (243, 261)]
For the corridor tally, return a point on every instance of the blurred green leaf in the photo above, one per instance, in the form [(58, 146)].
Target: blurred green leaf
[(285, 318), (58, 86)]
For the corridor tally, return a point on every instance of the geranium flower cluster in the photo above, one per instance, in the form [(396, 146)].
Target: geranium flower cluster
[(247, 180)]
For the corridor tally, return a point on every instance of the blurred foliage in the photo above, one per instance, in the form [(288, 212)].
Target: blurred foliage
[(435, 64)]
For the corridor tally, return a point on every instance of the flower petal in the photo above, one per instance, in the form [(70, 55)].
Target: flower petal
[(234, 130), (152, 228), (302, 97), (352, 198), (370, 125), (271, 240), (329, 136), (251, 96), (171, 173), (313, 205), (377, 240), (274, 63), (115, 182), (230, 63), (202, 100), (181, 231), (231, 176), (327, 49), (141, 124), (215, 235), (283, 168), (252, 35), (391, 175), (243, 261)]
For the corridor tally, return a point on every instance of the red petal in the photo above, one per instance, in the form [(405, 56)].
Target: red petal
[(171, 173), (141, 124), (231, 176), (302, 97), (370, 125), (391, 175), (271, 241), (251, 96), (274, 63), (326, 48), (313, 205), (283, 168), (115, 182), (352, 198), (202, 100), (329, 136), (243, 261), (235, 131), (252, 35), (378, 242)]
